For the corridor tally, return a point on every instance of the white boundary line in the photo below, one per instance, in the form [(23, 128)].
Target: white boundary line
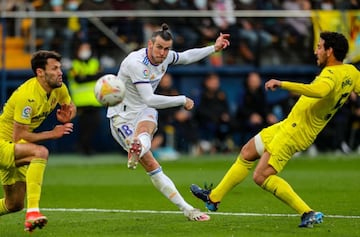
[(178, 212)]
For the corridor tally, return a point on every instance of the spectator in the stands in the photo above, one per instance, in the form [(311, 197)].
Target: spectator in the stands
[(298, 30), (176, 126), (57, 34), (253, 112), (213, 116), (253, 38)]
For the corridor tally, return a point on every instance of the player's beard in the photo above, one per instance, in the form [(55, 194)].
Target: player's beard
[(322, 63), (52, 81), (160, 60), (157, 60)]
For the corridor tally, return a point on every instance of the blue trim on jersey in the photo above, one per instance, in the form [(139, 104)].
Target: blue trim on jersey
[(146, 60), (175, 59), (141, 82), (158, 170)]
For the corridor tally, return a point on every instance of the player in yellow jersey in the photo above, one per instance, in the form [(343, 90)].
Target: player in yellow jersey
[(275, 145), (22, 161)]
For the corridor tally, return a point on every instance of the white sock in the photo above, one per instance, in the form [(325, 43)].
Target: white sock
[(145, 140), (164, 184), (33, 210)]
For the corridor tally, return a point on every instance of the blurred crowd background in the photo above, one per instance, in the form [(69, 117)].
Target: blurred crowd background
[(220, 122), (254, 40)]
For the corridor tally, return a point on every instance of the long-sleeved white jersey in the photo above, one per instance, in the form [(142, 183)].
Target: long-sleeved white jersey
[(141, 78)]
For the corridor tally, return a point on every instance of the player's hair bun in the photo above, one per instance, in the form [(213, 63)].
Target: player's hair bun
[(164, 27), (164, 33)]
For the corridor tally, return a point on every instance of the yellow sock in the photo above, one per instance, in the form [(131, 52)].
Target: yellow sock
[(3, 209), (34, 179), (237, 173), (282, 190)]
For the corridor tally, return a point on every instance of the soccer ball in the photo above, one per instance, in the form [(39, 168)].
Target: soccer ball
[(109, 90)]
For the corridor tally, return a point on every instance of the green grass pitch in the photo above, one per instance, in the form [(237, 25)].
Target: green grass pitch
[(99, 196)]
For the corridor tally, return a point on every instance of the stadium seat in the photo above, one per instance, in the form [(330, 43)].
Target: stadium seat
[(15, 55)]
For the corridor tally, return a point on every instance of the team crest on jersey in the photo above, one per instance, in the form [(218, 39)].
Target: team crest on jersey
[(146, 73), (53, 102), (26, 113)]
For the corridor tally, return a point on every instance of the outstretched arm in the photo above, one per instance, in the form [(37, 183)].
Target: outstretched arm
[(317, 89), (194, 55), (272, 85), (222, 42), (160, 101)]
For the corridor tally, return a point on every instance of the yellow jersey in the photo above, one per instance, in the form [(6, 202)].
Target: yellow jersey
[(82, 93), (319, 101), (29, 104)]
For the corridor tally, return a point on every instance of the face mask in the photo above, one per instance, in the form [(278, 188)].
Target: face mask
[(72, 6), (170, 1), (56, 3), (84, 54), (326, 6), (200, 4)]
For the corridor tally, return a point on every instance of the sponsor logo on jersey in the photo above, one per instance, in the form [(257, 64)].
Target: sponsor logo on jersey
[(26, 113), (146, 73), (346, 82)]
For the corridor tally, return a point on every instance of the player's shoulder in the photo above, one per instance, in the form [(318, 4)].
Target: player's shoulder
[(172, 57), (351, 70), (26, 93), (348, 67), (339, 69), (29, 82), (27, 87), (138, 56)]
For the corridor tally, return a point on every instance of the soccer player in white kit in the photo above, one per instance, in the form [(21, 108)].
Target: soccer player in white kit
[(134, 121)]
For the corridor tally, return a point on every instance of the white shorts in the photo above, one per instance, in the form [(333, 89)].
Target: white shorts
[(123, 129)]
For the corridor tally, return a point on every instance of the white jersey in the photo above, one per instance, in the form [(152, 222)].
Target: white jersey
[(141, 78)]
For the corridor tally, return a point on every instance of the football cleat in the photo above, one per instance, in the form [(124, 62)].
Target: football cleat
[(196, 215), (310, 218), (203, 194), (34, 220), (134, 154)]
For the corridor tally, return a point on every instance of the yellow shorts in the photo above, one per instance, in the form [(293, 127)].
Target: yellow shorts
[(9, 173), (279, 144)]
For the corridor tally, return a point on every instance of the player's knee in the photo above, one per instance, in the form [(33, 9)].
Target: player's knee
[(259, 178), (41, 152), (244, 152), (248, 153), (14, 205)]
